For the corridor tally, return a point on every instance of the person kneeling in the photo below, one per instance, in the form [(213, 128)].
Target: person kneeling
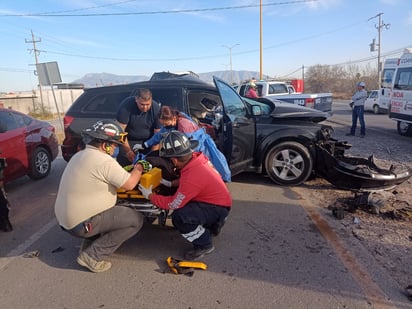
[(85, 203), (202, 201)]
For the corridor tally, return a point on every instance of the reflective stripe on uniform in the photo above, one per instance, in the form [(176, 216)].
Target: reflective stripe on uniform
[(191, 236)]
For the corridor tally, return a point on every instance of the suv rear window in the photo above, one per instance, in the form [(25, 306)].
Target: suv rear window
[(104, 103)]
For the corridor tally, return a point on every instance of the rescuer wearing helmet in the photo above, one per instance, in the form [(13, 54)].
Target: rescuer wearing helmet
[(85, 203), (202, 201), (358, 100)]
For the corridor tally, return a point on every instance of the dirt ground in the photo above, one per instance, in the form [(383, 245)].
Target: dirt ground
[(381, 221)]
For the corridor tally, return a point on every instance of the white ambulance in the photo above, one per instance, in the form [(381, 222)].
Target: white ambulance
[(401, 96), (387, 75)]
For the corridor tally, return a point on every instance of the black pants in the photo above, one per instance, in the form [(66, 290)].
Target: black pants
[(5, 224), (195, 220)]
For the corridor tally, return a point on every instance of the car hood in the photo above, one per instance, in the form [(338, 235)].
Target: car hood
[(293, 111)]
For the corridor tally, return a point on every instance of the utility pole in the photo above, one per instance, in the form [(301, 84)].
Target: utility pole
[(379, 27), (36, 52), (260, 42), (230, 59)]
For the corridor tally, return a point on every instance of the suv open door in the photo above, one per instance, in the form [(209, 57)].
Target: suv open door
[(239, 128)]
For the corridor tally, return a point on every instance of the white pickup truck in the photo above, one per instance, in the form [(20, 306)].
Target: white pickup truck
[(276, 90)]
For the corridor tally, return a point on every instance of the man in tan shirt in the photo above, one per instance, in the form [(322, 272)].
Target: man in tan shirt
[(85, 203)]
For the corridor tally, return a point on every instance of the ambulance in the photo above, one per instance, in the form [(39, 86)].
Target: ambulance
[(387, 75), (401, 96)]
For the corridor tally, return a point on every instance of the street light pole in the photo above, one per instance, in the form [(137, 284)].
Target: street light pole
[(230, 59)]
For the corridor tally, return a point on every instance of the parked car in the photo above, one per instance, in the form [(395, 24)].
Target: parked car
[(256, 135), (28, 145), (375, 103)]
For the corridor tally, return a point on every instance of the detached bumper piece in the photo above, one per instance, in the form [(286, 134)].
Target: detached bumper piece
[(355, 173), (187, 268)]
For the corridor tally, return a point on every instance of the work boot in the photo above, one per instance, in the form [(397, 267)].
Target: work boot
[(87, 261), (198, 252)]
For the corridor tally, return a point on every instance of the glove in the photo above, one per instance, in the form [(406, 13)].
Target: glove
[(351, 104), (146, 191), (138, 147), (128, 168), (146, 165), (166, 183)]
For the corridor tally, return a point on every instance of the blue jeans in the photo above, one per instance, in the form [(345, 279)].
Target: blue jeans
[(358, 112)]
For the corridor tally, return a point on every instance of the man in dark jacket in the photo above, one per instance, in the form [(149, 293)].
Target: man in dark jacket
[(139, 117)]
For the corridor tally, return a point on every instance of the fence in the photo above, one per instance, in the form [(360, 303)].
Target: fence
[(31, 102)]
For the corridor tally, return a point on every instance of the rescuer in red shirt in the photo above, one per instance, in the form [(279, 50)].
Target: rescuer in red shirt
[(202, 201)]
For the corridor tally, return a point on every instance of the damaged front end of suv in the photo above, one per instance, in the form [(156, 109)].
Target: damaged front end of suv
[(354, 173)]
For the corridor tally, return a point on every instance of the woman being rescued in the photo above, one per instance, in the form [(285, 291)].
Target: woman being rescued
[(172, 119)]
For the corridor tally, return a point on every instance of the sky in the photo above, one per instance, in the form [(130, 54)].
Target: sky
[(138, 37)]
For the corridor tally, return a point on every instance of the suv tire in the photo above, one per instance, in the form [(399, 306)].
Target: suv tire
[(404, 128), (288, 163)]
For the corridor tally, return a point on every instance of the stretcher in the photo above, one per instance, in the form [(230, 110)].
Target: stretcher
[(135, 199)]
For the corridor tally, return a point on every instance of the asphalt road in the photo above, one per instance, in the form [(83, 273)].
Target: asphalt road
[(277, 250), (379, 122)]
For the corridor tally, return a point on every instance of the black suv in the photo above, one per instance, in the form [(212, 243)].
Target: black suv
[(261, 136)]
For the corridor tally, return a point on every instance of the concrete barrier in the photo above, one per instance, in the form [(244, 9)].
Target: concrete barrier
[(33, 102)]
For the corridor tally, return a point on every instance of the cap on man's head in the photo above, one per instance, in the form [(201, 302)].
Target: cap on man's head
[(361, 84)]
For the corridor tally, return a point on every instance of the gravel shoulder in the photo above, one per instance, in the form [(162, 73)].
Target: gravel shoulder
[(384, 230)]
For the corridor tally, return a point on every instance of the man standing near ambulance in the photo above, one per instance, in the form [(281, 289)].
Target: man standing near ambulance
[(358, 110)]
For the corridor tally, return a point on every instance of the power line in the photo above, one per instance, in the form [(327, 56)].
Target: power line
[(390, 53), (394, 52), (132, 59), (156, 12), (89, 8)]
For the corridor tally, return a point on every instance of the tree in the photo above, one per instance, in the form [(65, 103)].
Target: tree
[(340, 80)]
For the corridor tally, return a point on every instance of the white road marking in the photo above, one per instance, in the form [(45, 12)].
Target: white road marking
[(18, 251)]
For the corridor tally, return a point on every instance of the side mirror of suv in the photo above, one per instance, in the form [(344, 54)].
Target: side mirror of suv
[(256, 110)]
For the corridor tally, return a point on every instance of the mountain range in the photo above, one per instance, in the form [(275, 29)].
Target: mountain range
[(106, 79)]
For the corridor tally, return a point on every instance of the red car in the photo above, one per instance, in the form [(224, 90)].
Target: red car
[(28, 145)]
